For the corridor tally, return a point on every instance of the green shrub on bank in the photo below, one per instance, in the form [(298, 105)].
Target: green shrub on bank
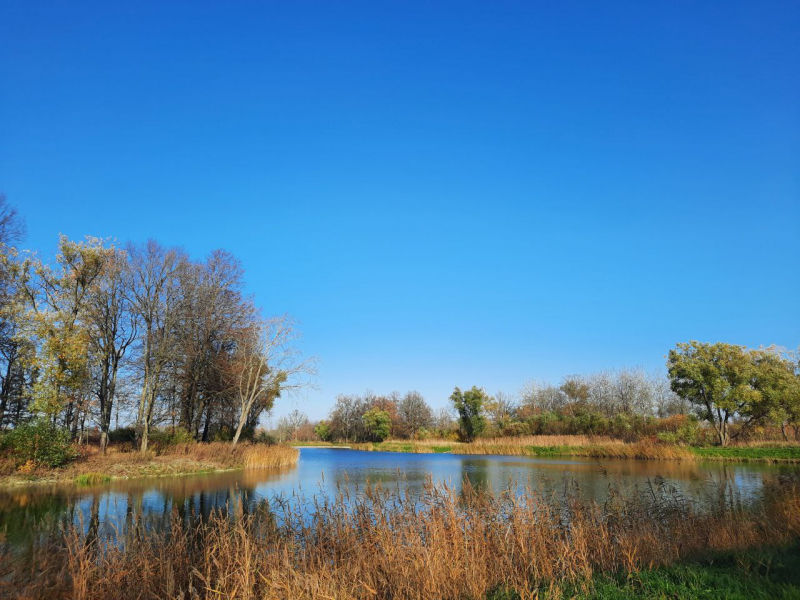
[(39, 442), (262, 437), (170, 437), (122, 435)]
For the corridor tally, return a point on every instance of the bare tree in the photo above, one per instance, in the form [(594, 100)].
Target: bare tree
[(414, 413), (155, 297), (291, 423), (345, 417), (112, 329), (267, 362)]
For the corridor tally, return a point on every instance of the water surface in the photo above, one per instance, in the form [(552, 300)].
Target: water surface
[(28, 512)]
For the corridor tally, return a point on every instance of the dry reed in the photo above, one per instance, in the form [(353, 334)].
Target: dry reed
[(446, 544)]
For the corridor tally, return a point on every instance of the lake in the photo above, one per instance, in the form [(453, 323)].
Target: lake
[(29, 512)]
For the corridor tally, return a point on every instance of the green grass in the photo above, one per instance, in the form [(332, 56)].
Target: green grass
[(92, 479), (756, 574), (776, 453)]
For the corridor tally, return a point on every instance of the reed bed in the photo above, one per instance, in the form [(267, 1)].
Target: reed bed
[(542, 445), (446, 544), (549, 440), (617, 449), (243, 455)]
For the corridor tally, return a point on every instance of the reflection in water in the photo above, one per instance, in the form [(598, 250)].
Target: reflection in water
[(138, 505)]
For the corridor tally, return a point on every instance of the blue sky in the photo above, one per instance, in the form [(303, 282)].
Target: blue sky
[(443, 193)]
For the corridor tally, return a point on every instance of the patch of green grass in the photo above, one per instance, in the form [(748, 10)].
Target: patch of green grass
[(442, 449), (778, 453), (92, 479), (554, 451), (757, 574)]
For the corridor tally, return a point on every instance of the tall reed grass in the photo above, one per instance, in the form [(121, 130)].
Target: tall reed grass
[(542, 445), (447, 544), (242, 455)]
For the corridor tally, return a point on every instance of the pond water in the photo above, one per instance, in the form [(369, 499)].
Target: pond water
[(26, 513)]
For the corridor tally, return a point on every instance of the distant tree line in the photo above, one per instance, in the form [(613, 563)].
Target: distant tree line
[(710, 393), (173, 341)]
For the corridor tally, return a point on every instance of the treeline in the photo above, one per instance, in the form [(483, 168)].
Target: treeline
[(711, 393), (174, 341), (624, 403)]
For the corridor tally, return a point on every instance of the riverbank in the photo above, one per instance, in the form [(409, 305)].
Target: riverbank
[(181, 459), (588, 447)]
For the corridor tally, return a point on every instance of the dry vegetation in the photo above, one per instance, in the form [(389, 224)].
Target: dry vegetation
[(448, 545), (124, 462), (594, 447)]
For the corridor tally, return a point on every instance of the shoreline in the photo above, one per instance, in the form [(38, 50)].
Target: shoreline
[(177, 462), (767, 454)]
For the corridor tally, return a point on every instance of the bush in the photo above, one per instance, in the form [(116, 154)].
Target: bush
[(39, 442), (688, 433), (323, 431), (123, 435), (262, 437), (225, 434)]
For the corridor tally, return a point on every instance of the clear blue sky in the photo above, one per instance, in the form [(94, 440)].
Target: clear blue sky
[(443, 193)]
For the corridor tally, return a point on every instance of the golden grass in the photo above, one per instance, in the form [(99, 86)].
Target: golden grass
[(548, 440), (542, 445), (449, 545)]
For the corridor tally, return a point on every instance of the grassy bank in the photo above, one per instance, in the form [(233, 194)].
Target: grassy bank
[(755, 574), (449, 545), (181, 459), (591, 447)]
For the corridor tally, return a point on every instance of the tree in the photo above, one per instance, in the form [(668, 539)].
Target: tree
[(345, 418), (414, 413), (377, 424), (289, 424), (16, 348), (501, 408), (776, 381), (666, 402), (155, 300), (717, 379), (60, 298), (214, 318), (576, 389), (267, 362), (322, 431), (470, 405), (112, 329)]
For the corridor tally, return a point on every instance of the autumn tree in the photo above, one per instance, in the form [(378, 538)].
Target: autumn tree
[(345, 417), (154, 296), (16, 348), (60, 298), (288, 425), (112, 330), (267, 362), (414, 413)]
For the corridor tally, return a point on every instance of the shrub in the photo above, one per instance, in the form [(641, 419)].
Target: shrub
[(688, 433), (122, 435), (262, 437), (224, 434), (377, 423), (39, 442), (323, 431)]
